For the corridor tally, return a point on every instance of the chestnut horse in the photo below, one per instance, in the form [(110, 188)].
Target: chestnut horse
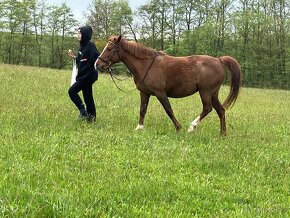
[(161, 75)]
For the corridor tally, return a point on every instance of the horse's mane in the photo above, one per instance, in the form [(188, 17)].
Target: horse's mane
[(139, 50)]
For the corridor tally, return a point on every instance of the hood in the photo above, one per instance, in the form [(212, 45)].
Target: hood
[(86, 32)]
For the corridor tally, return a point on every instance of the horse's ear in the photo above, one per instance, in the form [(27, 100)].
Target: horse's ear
[(119, 38)]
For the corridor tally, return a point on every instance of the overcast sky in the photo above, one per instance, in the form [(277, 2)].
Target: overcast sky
[(79, 6)]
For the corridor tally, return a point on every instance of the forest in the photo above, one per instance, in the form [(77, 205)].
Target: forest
[(255, 32)]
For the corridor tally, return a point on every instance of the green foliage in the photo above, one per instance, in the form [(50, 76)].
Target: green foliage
[(35, 34), (54, 165), (110, 18), (256, 33)]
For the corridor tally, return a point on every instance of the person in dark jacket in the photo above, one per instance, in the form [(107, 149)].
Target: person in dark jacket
[(87, 75)]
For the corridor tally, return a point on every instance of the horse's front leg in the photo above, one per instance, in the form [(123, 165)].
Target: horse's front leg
[(163, 99), (143, 109)]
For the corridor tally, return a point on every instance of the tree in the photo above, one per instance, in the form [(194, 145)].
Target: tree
[(154, 22), (121, 17), (12, 22), (99, 17), (110, 17), (39, 13), (60, 22), (25, 47)]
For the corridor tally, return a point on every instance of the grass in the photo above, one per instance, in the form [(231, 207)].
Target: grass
[(53, 165)]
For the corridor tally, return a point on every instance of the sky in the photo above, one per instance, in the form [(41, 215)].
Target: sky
[(79, 6)]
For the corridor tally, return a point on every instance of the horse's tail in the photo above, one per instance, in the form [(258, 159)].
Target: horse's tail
[(236, 79)]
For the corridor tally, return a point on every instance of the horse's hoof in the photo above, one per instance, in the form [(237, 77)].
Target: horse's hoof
[(191, 129), (178, 128), (139, 127), (223, 134)]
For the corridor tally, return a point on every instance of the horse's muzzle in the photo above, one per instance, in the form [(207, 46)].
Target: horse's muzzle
[(102, 68)]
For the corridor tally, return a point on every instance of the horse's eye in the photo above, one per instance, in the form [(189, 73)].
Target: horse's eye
[(109, 49)]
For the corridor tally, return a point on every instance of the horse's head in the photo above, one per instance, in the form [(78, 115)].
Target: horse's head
[(110, 54)]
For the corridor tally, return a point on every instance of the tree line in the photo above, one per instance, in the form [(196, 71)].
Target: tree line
[(255, 32)]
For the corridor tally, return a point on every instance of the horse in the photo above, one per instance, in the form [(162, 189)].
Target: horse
[(157, 74)]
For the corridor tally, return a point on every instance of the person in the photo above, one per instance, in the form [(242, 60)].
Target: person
[(86, 76)]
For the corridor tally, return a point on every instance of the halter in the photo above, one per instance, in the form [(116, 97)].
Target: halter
[(109, 60), (109, 63)]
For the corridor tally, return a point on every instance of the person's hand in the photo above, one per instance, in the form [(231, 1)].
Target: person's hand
[(71, 54)]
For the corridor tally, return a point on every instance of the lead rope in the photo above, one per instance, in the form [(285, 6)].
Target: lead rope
[(113, 77), (156, 54)]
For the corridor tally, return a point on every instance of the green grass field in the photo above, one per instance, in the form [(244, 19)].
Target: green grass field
[(53, 165)]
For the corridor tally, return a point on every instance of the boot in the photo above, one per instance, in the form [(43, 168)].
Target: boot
[(91, 118), (83, 114)]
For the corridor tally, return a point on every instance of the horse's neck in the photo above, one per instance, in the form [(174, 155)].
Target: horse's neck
[(136, 66)]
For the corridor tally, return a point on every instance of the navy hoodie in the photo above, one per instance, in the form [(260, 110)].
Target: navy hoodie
[(87, 56)]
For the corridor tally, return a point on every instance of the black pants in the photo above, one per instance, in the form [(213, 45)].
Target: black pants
[(87, 89)]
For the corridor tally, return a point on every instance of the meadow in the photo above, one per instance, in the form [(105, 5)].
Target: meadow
[(54, 165)]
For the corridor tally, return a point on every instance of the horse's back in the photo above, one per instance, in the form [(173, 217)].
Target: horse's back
[(193, 65), (186, 75), (211, 70)]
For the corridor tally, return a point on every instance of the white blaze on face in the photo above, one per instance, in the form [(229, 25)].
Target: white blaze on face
[(101, 55)]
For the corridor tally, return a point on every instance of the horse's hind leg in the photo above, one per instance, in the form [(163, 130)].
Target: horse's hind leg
[(143, 109), (163, 99), (220, 111), (207, 108)]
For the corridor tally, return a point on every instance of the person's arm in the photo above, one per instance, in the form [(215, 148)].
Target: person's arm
[(71, 54)]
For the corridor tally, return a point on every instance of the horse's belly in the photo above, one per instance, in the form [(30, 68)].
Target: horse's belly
[(181, 92)]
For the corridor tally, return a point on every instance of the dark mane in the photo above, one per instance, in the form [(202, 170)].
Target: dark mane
[(139, 51)]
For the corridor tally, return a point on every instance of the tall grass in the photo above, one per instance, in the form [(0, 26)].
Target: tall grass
[(54, 165)]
